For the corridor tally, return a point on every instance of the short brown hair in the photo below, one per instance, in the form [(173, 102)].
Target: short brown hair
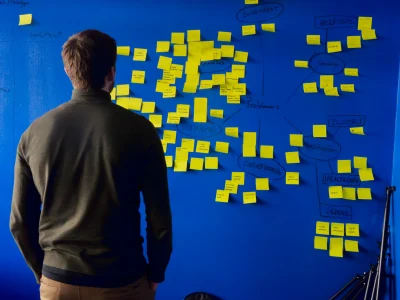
[(88, 57)]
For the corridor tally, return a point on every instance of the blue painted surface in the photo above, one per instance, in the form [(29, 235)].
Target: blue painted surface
[(234, 251)]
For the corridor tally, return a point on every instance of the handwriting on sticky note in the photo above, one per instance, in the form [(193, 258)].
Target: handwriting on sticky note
[(296, 140), (206, 84), (238, 177), (249, 150), (25, 19), (321, 242), (293, 178), (180, 165), (222, 147), (351, 246), (238, 71), (360, 162), (357, 130), (139, 54), (354, 42), (262, 184), (310, 87), (349, 193), (347, 88), (169, 136), (368, 34), (183, 110), (178, 38), (326, 81), (231, 186), (211, 163), (336, 247), (156, 120), (313, 39), (200, 110), (249, 197), (176, 70), (334, 46), (344, 166), (322, 228), (352, 229), (366, 174), (169, 161), (227, 51), (168, 77), (222, 196), (270, 27), (187, 144), (181, 154), (351, 71), (173, 118), (335, 192), (266, 151), (203, 147), (123, 90), (123, 50), (138, 76), (337, 229), (161, 86), (148, 107), (232, 131), (292, 157), (169, 92), (248, 30), (196, 164), (331, 91), (164, 63), (163, 46), (301, 63), (364, 194), (319, 131), (241, 56), (233, 99), (364, 23), (224, 36)]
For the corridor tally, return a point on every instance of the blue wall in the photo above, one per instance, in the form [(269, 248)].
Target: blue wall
[(234, 251)]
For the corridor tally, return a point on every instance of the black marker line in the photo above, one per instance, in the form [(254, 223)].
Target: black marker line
[(263, 66), (232, 116), (292, 125), (295, 90), (326, 40), (336, 131), (316, 177), (329, 163), (259, 134)]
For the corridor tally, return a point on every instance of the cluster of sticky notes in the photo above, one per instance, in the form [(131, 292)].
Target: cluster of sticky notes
[(349, 193), (365, 25), (251, 29), (231, 187)]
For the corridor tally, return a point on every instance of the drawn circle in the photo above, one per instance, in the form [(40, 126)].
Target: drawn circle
[(326, 64), (320, 148), (261, 168)]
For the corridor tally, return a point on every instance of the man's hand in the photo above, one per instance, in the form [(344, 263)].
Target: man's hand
[(153, 285)]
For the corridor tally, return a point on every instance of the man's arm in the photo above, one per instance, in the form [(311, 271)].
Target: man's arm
[(158, 212), (25, 215)]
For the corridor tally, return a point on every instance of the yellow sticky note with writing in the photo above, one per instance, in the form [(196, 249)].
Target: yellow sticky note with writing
[(241, 56), (354, 42), (331, 91), (319, 131), (232, 131), (301, 63), (337, 229), (227, 51), (336, 247), (211, 163), (222, 147), (200, 110), (335, 192), (239, 89), (352, 229), (193, 35), (368, 34), (217, 53), (344, 166), (266, 151), (168, 77), (180, 50), (360, 162), (262, 184), (148, 107), (322, 228), (357, 130), (113, 93), (249, 150), (178, 38), (270, 27), (139, 54), (296, 140), (347, 88), (181, 154), (351, 71), (222, 196), (169, 136), (310, 87), (238, 178), (163, 46), (231, 186), (123, 50), (364, 194), (293, 178), (292, 157), (238, 71), (173, 118), (180, 165), (366, 174), (156, 120), (217, 113), (130, 103), (334, 46), (164, 63), (196, 164), (321, 242), (224, 36), (162, 86), (313, 39), (351, 246), (169, 92), (138, 76), (169, 161), (203, 147), (326, 81), (176, 70), (187, 144), (250, 138), (123, 90), (183, 110), (349, 193), (25, 19), (364, 23), (249, 197), (206, 84), (248, 30)]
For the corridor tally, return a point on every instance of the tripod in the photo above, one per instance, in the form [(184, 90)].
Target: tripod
[(370, 281)]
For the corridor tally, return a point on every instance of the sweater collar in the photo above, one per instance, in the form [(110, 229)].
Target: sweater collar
[(94, 95)]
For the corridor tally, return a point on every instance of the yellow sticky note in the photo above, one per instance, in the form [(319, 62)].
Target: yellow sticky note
[(238, 71), (266, 151), (344, 166), (169, 92), (335, 192), (211, 163), (301, 63), (203, 147), (138, 76), (336, 247), (351, 71), (224, 36), (326, 81), (162, 86), (222, 196), (164, 63), (196, 164), (183, 110), (163, 46), (191, 67), (207, 54), (334, 46), (249, 197), (180, 165), (354, 42), (310, 87), (366, 174), (181, 154), (337, 229), (351, 246), (206, 84), (123, 90), (352, 229), (233, 99), (232, 131), (239, 89), (217, 53), (176, 70), (238, 177), (25, 19), (364, 23), (173, 118), (169, 136), (249, 150), (292, 157), (200, 110), (250, 138), (262, 184), (357, 130), (241, 56), (226, 90), (217, 113), (360, 162), (218, 79), (227, 51), (368, 34), (193, 35), (296, 140), (168, 77), (180, 50), (123, 50), (250, 1), (169, 161), (231, 186), (156, 120), (113, 93), (188, 145), (148, 107), (232, 78), (222, 147), (189, 88), (130, 103), (331, 91), (248, 30), (319, 131), (140, 54), (349, 193), (178, 38), (270, 27), (321, 243), (347, 88), (364, 194), (293, 178), (313, 39), (322, 228)]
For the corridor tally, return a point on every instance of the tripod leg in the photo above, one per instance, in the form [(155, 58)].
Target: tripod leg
[(375, 281), (368, 282)]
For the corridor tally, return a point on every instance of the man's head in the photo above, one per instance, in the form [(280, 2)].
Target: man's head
[(89, 60)]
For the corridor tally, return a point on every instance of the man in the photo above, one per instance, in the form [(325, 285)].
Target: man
[(86, 163)]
